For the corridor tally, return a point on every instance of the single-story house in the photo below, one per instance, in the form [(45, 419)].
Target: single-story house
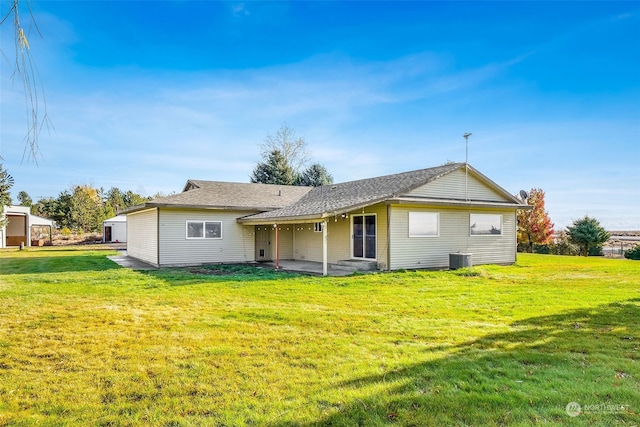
[(24, 228), (402, 221), (114, 230)]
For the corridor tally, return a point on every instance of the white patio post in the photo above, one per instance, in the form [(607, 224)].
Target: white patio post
[(277, 247), (324, 248)]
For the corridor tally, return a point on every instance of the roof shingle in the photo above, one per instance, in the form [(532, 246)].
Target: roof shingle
[(232, 195), (353, 194)]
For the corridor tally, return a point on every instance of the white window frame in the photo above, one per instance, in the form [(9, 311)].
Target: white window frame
[(317, 227), (416, 216), (204, 230), (474, 218)]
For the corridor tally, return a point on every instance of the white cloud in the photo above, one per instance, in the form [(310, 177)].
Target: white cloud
[(239, 9)]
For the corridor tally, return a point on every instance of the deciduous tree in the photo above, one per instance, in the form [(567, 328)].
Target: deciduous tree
[(293, 148), (587, 233), (534, 225), (25, 69), (86, 208)]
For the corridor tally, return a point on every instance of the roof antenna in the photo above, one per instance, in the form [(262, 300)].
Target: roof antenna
[(466, 143), (466, 164)]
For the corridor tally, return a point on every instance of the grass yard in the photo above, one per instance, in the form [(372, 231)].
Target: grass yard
[(84, 342)]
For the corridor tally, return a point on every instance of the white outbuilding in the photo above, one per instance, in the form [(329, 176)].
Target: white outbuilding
[(24, 229), (115, 229)]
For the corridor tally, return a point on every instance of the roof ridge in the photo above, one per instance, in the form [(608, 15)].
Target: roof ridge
[(243, 183), (451, 166)]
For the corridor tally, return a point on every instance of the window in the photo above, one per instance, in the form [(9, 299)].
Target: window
[(213, 230), (204, 230), (424, 224), (317, 227), (485, 224), (195, 230)]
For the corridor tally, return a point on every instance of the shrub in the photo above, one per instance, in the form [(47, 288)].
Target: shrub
[(633, 253), (596, 251), (562, 246), (541, 249)]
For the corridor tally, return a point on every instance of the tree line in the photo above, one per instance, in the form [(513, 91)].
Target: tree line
[(81, 208)]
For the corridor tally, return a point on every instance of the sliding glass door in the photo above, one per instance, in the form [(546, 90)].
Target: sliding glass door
[(364, 236)]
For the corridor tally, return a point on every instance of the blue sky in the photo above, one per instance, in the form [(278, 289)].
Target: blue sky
[(145, 95)]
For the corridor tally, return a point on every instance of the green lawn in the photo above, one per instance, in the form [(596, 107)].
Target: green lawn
[(84, 342)]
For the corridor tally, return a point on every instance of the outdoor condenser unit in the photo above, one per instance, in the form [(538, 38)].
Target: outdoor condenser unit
[(460, 260)]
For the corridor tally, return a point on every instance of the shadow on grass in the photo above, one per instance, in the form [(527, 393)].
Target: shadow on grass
[(72, 261), (525, 376)]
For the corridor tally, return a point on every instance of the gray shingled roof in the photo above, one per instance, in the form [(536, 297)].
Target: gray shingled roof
[(231, 195), (337, 198), (291, 202)]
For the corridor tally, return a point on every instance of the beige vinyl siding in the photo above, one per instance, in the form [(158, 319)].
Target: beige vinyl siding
[(452, 186), (236, 245), (433, 252), (338, 240), (285, 239), (142, 236), (307, 243)]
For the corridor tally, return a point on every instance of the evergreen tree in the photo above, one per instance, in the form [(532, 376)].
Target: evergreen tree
[(315, 176), (24, 199), (274, 170), (284, 155), (47, 208), (587, 233), (6, 182)]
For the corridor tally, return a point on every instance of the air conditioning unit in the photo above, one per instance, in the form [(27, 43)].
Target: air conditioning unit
[(460, 260)]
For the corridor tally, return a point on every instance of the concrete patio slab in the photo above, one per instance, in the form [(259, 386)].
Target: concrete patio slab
[(123, 260), (309, 267)]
